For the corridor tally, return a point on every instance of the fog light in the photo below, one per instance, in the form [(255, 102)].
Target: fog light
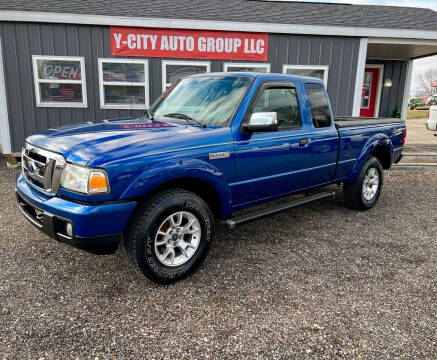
[(69, 230)]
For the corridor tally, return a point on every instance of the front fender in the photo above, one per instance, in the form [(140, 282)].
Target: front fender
[(369, 146), (171, 170)]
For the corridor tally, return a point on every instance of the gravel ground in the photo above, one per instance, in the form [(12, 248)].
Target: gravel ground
[(317, 282)]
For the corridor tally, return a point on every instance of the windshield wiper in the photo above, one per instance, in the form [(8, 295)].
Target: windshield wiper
[(185, 117)]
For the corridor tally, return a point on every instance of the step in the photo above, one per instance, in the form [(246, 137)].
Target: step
[(233, 222), (418, 157), (414, 167), (402, 163)]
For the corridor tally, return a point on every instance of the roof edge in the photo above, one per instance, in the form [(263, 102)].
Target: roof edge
[(85, 19)]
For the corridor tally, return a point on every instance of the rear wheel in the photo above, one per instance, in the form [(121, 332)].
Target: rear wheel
[(364, 193), (170, 235)]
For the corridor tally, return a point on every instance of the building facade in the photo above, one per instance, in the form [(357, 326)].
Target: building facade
[(60, 67)]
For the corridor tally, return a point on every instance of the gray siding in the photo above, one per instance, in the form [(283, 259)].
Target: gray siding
[(339, 53), (20, 41), (395, 70)]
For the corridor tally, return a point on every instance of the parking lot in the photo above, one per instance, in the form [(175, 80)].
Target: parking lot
[(321, 281), (417, 133)]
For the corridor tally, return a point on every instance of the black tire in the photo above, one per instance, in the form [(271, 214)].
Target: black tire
[(140, 235), (353, 192)]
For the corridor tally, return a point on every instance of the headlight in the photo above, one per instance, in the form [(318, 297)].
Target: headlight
[(84, 180)]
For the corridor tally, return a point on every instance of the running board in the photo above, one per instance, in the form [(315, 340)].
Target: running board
[(232, 223)]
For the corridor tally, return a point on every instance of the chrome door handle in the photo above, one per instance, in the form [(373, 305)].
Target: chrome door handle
[(304, 142)]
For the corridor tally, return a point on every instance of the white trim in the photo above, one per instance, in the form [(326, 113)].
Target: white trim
[(406, 96), (69, 18), (59, 104), (248, 65), (402, 41), (164, 64), (378, 87), (325, 68), (4, 116), (102, 83), (361, 65)]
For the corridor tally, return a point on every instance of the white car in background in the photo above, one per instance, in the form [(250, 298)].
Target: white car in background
[(432, 119)]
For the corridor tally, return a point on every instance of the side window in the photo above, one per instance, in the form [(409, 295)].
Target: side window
[(319, 105), (283, 101)]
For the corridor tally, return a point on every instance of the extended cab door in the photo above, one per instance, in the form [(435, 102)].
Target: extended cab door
[(299, 155)]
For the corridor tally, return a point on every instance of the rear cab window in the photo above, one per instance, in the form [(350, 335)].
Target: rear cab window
[(319, 105)]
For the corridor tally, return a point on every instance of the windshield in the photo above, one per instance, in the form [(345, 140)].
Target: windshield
[(211, 100)]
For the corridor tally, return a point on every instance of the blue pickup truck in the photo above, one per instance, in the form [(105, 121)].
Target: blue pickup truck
[(211, 145)]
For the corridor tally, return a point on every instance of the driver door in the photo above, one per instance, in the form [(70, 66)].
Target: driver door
[(268, 164)]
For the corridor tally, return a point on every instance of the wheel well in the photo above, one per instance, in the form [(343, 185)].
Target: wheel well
[(200, 187), (382, 153)]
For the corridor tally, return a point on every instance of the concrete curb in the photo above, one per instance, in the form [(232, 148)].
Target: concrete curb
[(414, 167)]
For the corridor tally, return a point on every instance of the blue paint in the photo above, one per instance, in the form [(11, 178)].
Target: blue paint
[(142, 154)]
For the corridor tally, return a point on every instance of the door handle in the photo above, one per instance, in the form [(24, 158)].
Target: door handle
[(304, 142)]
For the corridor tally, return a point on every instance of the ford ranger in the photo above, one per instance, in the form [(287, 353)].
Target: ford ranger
[(211, 145)]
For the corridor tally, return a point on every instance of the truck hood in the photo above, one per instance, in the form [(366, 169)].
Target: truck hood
[(80, 143)]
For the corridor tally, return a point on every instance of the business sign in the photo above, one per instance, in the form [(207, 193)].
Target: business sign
[(59, 70), (188, 44), (434, 83)]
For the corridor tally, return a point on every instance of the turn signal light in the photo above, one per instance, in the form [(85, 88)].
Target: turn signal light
[(98, 183)]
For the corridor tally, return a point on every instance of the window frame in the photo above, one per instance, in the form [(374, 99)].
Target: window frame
[(286, 67), (230, 64), (164, 64), (269, 85), (145, 84), (59, 104)]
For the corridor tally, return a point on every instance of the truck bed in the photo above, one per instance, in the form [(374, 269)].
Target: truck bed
[(350, 121)]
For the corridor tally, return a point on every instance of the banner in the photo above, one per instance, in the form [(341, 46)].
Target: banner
[(188, 44)]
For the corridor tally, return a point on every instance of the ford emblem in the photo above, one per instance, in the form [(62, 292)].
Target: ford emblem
[(30, 167)]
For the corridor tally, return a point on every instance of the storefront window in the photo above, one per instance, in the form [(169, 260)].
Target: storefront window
[(175, 70), (124, 84), (317, 71), (244, 67), (59, 81)]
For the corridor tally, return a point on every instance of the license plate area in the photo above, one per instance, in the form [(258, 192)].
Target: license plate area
[(33, 214), (51, 225)]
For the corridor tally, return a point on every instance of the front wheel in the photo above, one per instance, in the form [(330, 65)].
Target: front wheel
[(170, 235), (364, 192)]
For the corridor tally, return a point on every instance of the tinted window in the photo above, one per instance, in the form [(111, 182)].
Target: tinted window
[(319, 105), (283, 101)]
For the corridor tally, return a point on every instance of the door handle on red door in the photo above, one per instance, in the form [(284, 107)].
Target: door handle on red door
[(304, 142)]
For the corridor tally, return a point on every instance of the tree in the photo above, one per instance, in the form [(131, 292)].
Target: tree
[(424, 81)]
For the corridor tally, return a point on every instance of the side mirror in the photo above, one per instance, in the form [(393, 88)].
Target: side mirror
[(262, 121)]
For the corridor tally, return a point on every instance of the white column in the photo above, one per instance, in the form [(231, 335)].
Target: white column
[(4, 118), (407, 88), (362, 55)]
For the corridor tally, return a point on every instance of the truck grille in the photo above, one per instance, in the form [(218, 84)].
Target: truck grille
[(42, 168)]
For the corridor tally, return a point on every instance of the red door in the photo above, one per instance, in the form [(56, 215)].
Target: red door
[(368, 96)]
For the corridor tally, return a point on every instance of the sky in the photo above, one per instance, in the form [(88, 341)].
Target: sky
[(420, 66)]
